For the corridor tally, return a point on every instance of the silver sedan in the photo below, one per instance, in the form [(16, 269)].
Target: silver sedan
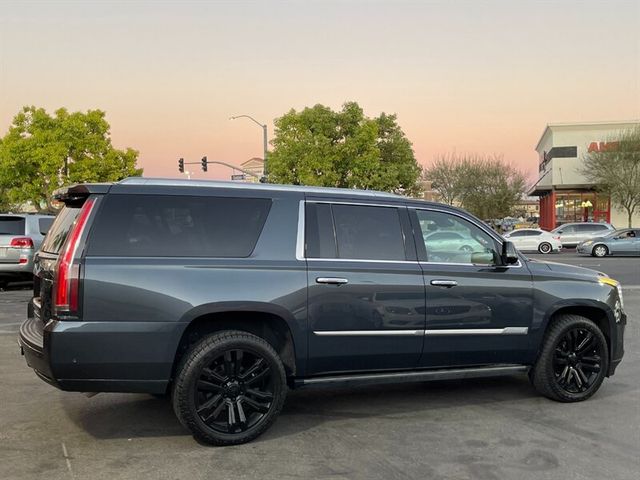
[(619, 242)]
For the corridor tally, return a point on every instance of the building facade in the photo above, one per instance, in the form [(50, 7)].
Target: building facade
[(565, 194), (254, 165)]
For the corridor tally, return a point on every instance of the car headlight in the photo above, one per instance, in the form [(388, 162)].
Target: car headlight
[(616, 284), (588, 242)]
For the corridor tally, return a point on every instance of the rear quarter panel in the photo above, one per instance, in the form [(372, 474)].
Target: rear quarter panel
[(150, 301)]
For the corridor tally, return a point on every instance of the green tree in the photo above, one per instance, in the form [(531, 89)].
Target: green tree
[(487, 186), (43, 152), (318, 146), (616, 171)]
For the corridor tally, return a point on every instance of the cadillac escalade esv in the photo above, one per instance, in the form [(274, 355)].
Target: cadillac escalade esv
[(224, 295)]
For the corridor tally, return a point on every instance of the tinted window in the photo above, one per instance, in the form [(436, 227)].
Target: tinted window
[(368, 233), (319, 236), (565, 229), (58, 232), (467, 241), (44, 224), (444, 236), (11, 225), (178, 226), (518, 234)]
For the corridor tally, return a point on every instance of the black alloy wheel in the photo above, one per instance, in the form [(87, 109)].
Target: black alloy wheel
[(234, 391), (573, 361), (577, 361), (229, 388)]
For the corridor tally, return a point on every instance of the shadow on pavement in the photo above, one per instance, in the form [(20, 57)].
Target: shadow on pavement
[(112, 416)]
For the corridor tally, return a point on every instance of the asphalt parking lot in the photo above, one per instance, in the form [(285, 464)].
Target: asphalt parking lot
[(475, 429)]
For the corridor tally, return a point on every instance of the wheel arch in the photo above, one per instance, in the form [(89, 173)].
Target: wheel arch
[(271, 322), (598, 312)]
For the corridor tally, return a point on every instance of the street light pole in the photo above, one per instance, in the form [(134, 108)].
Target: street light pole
[(265, 140)]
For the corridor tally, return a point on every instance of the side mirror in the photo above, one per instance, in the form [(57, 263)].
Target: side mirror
[(509, 253), (559, 232), (483, 258)]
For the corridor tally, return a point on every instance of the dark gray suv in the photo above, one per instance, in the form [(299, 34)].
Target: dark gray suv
[(225, 295)]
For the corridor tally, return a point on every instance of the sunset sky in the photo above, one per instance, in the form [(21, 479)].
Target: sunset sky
[(476, 76)]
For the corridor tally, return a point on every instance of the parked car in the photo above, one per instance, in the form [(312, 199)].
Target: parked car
[(20, 237), (225, 295), (571, 234), (534, 240), (618, 242)]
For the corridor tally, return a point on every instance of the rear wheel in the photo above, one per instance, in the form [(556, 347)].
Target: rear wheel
[(573, 361), (545, 247), (600, 251), (229, 388)]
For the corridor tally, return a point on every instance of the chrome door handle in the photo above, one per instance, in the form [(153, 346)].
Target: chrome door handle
[(444, 283), (332, 280)]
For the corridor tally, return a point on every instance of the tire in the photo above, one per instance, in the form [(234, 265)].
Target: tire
[(565, 371), (600, 251), (229, 388), (545, 247)]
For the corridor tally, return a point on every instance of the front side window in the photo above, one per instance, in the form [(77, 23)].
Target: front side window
[(452, 239), (177, 226)]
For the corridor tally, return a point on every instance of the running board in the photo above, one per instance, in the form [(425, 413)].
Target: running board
[(405, 377)]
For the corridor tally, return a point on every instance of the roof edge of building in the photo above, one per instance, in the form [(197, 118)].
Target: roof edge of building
[(549, 126)]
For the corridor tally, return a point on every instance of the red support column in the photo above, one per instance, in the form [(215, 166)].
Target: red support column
[(552, 210)]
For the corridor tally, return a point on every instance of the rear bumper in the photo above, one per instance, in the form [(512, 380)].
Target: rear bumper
[(31, 343), (132, 357)]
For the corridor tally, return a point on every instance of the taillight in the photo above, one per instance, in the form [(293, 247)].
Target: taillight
[(67, 279), (21, 242)]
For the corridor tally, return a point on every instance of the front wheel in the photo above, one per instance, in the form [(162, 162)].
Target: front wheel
[(545, 247), (600, 251), (573, 361), (229, 388)]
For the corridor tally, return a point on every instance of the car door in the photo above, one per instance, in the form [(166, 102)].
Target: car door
[(636, 241), (568, 235), (623, 243), (518, 239), (477, 311), (366, 296)]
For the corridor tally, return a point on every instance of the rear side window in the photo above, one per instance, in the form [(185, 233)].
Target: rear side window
[(58, 232), (177, 226), (44, 224), (353, 232), (10, 225), (320, 237), (368, 233), (594, 227)]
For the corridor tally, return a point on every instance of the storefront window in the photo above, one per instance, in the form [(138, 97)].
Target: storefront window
[(581, 207)]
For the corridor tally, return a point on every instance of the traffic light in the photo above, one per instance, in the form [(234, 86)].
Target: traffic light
[(204, 163), (181, 165)]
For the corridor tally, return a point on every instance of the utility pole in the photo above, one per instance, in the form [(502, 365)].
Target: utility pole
[(265, 140)]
